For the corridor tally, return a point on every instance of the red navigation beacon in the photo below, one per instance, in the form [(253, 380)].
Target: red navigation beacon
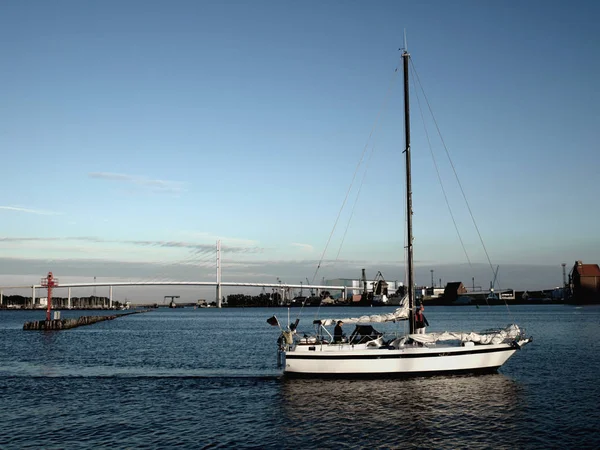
[(49, 282)]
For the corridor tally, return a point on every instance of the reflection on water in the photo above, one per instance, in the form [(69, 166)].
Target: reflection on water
[(441, 412)]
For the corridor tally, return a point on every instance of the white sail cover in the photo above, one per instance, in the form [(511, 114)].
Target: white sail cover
[(494, 337), (399, 314)]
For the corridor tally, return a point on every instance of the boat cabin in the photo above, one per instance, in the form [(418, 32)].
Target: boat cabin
[(363, 334)]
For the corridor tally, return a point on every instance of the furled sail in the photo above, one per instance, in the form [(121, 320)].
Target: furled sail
[(400, 313), (492, 337)]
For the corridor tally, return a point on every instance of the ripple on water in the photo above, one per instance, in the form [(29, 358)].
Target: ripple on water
[(195, 380)]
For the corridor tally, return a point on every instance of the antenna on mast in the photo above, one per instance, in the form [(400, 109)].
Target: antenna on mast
[(405, 42)]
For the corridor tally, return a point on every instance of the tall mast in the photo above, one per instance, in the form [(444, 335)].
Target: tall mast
[(411, 283)]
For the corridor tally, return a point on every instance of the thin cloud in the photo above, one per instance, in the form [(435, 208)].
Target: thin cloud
[(194, 247), (111, 176), (224, 239), (27, 239), (40, 212), (305, 247), (158, 186)]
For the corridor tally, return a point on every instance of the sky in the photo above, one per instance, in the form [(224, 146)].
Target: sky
[(136, 134)]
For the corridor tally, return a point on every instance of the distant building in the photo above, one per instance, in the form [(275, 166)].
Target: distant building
[(453, 290), (508, 294), (355, 287), (584, 280), (437, 292)]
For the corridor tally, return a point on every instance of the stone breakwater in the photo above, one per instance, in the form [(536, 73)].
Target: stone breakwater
[(65, 324)]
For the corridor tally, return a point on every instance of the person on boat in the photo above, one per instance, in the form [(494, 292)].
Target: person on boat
[(420, 321), (338, 333)]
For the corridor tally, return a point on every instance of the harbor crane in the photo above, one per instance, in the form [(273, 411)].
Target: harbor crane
[(172, 302), (311, 291)]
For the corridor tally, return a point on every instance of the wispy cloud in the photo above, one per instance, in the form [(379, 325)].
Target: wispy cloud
[(305, 247), (27, 239), (192, 246), (40, 212), (158, 186), (111, 176), (203, 235)]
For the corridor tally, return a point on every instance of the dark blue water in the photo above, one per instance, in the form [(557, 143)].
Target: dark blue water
[(207, 378)]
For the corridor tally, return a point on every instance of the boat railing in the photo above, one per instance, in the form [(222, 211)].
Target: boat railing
[(326, 338)]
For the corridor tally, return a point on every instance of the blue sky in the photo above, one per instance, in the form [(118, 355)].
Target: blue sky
[(135, 134)]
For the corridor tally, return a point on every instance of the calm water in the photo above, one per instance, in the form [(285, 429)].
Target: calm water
[(207, 378)]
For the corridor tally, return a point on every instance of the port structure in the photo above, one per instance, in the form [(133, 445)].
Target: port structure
[(52, 283), (172, 297)]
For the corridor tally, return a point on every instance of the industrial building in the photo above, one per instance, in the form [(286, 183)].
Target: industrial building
[(584, 281)]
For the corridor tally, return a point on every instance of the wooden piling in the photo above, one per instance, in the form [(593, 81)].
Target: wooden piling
[(66, 324)]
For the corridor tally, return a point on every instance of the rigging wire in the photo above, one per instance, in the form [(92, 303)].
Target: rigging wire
[(373, 128), (360, 162), (347, 224), (371, 153), (456, 176), (351, 215), (437, 171), (364, 175)]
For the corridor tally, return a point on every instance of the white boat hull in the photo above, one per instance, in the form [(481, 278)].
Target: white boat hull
[(327, 360)]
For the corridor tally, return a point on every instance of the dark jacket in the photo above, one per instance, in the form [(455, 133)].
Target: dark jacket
[(338, 333), (420, 320)]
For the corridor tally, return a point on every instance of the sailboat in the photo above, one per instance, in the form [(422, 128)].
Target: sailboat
[(366, 352)]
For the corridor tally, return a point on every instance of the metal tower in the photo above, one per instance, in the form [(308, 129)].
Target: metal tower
[(49, 282)]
